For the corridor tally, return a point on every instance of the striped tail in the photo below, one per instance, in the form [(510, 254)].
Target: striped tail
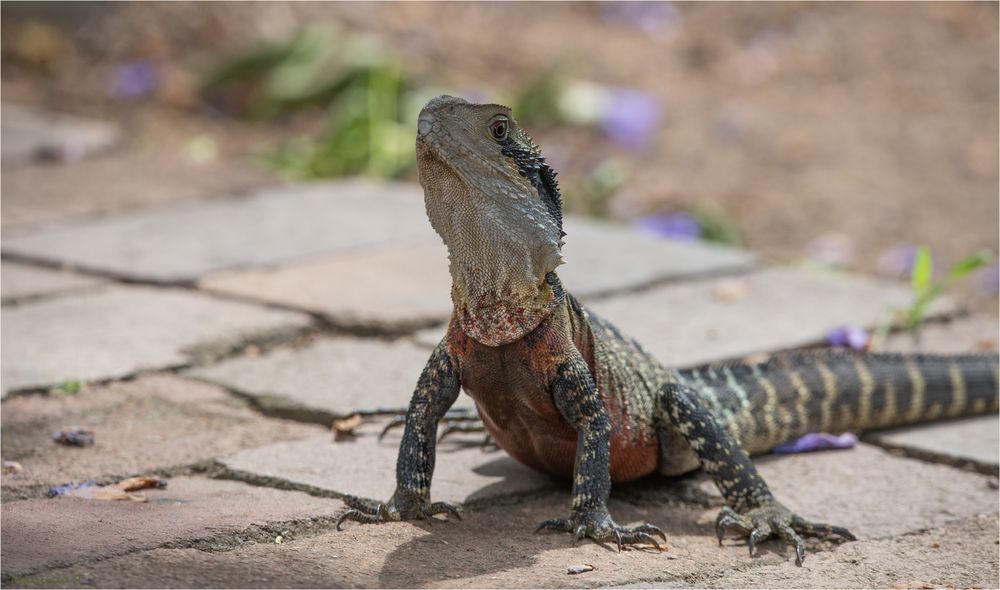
[(770, 402)]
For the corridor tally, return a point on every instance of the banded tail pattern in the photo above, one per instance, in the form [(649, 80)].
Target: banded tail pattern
[(767, 403)]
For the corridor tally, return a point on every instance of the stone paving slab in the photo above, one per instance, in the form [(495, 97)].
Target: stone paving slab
[(874, 493), (46, 533), (713, 319), (27, 132), (153, 423), (973, 440), (400, 287), (777, 308), (494, 548), (976, 333), (182, 242), (327, 378), (45, 194), (121, 330), (21, 281), (364, 467)]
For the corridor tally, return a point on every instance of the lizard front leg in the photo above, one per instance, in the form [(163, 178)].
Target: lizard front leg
[(436, 391), (577, 399), (750, 508)]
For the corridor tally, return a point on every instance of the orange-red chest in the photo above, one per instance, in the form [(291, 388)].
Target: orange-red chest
[(512, 387)]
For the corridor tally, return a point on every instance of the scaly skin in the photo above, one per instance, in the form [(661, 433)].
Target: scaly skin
[(564, 391)]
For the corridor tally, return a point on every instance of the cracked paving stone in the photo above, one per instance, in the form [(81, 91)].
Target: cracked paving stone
[(153, 423), (27, 133), (721, 318), (494, 548), (45, 194), (183, 241), (872, 492), (120, 330), (402, 287), (20, 281), (327, 378), (47, 533), (464, 472), (777, 308)]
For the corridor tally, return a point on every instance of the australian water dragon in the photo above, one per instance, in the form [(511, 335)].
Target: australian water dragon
[(564, 391)]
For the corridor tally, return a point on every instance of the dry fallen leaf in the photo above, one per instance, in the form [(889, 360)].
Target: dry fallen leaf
[(343, 429), (140, 483), (10, 467), (731, 290), (579, 568), (120, 490)]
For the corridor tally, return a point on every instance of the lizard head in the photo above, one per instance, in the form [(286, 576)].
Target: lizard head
[(493, 200)]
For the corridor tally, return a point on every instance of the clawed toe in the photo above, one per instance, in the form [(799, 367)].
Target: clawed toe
[(622, 536), (773, 519)]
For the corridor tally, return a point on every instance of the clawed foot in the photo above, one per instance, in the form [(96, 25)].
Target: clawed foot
[(773, 519), (395, 510), (601, 528)]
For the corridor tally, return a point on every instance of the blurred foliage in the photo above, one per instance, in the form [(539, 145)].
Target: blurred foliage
[(926, 291), (597, 187), (716, 225), (370, 105)]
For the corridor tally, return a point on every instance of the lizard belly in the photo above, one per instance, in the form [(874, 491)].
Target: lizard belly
[(510, 385)]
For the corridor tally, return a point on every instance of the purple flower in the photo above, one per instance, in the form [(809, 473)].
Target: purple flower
[(990, 281), (848, 336), (678, 225), (897, 261), (817, 441), (632, 118), (651, 17), (67, 488), (135, 79)]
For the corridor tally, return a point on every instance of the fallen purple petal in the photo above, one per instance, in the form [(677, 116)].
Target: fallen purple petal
[(74, 437), (990, 282), (135, 79), (71, 486), (632, 118), (817, 441), (848, 337), (650, 17), (897, 261), (678, 225)]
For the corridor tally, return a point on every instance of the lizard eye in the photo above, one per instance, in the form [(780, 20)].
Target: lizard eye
[(498, 128)]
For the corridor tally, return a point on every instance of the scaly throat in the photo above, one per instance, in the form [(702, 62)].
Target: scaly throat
[(496, 303)]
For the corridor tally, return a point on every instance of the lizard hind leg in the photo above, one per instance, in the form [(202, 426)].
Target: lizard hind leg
[(751, 510)]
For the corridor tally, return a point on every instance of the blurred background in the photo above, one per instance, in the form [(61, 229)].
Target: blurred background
[(842, 134)]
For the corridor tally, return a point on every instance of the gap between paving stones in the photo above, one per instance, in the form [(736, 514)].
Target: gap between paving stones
[(928, 456)]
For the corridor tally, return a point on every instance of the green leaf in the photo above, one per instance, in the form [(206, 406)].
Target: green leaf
[(969, 264), (923, 270)]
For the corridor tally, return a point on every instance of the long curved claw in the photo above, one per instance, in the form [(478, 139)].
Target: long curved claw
[(756, 536), (788, 535), (650, 529), (555, 524), (444, 508), (363, 517), (606, 531), (636, 537), (821, 529)]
